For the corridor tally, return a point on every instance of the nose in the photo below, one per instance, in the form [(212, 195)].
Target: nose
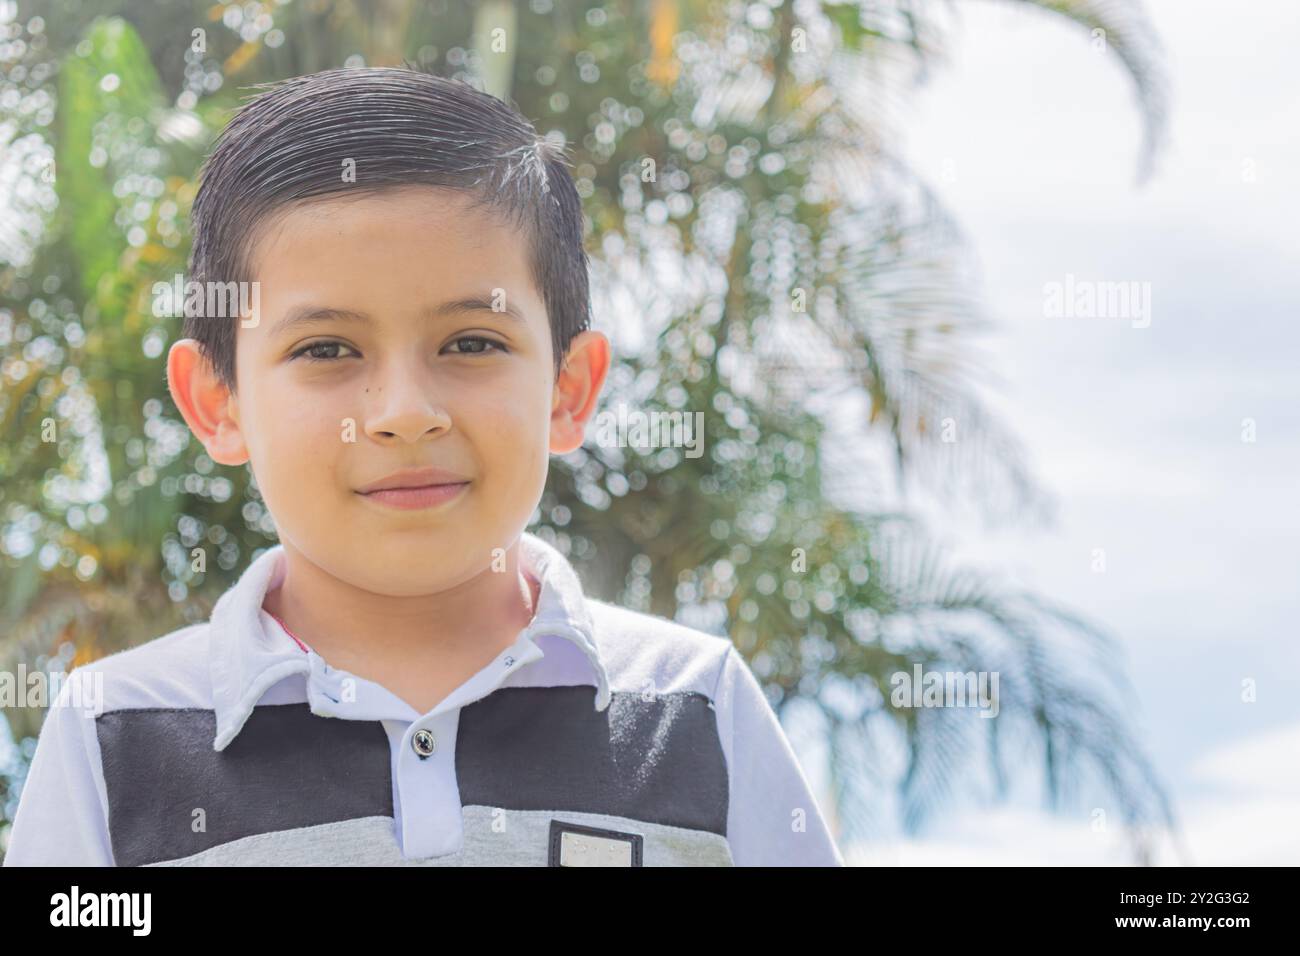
[(404, 408)]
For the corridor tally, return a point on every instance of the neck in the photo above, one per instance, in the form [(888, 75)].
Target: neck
[(346, 624)]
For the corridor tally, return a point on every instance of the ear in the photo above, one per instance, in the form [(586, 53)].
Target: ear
[(576, 390), (207, 404)]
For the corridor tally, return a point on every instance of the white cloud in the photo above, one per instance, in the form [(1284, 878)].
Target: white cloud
[(1247, 819), (1266, 765), (1004, 836)]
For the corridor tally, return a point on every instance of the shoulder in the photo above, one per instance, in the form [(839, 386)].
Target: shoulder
[(168, 671), (646, 652)]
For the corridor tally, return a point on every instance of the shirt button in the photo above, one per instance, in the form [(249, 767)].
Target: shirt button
[(422, 743)]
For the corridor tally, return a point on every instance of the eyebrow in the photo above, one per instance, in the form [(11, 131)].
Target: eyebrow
[(313, 314)]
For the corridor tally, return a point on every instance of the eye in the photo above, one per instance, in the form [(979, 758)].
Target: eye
[(480, 341), (321, 351)]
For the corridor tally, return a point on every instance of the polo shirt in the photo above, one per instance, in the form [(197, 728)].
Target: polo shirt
[(601, 736)]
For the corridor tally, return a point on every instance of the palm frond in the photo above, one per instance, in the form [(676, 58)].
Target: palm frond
[(1126, 30)]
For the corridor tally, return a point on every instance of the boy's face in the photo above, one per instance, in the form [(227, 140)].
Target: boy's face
[(332, 403)]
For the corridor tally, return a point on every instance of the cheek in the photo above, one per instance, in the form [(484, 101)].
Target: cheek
[(514, 435), (295, 435)]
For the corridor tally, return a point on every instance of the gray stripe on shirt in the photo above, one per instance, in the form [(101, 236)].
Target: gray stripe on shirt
[(493, 837)]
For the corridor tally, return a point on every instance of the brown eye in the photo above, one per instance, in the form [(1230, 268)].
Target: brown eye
[(488, 345), (321, 351)]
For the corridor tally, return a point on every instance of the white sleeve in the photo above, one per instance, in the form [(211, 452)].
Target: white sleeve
[(62, 817), (772, 818)]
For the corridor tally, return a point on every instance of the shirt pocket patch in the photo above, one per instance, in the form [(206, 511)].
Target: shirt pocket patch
[(574, 844)]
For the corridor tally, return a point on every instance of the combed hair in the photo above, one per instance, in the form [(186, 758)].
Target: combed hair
[(401, 127)]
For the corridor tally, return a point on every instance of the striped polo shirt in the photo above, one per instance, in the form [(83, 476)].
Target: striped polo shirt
[(602, 736)]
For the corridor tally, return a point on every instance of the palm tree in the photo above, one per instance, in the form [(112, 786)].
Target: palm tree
[(783, 262)]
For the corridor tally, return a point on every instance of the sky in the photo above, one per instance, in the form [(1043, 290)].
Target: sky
[(1031, 139)]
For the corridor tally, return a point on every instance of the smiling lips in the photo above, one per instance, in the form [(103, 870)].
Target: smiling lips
[(416, 488)]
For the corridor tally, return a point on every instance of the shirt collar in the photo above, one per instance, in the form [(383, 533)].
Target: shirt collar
[(245, 662)]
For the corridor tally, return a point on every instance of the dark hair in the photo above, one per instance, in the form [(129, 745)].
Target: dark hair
[(401, 127)]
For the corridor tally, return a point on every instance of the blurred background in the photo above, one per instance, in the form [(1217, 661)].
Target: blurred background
[(840, 232)]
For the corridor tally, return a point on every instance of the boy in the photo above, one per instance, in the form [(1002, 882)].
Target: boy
[(408, 677)]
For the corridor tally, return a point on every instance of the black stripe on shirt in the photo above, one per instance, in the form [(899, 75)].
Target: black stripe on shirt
[(286, 768), (655, 759)]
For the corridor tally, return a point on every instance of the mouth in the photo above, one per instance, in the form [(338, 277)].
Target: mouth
[(422, 496), (416, 488)]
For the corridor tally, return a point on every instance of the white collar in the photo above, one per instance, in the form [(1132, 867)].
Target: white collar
[(244, 663)]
